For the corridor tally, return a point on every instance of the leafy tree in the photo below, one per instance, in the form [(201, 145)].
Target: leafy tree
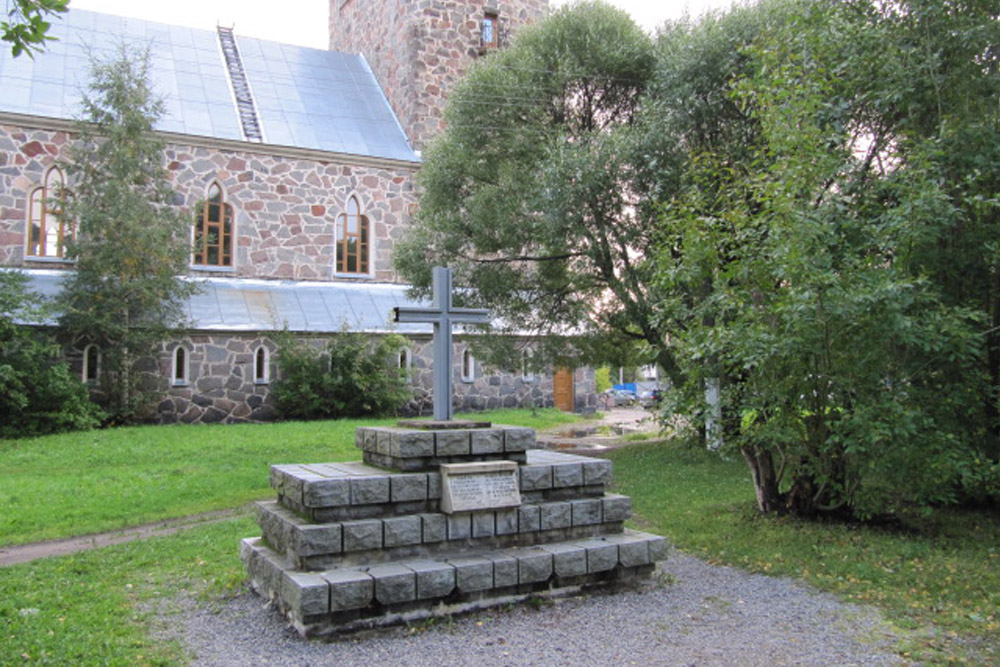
[(38, 393), (26, 28), (531, 195), (349, 377), (131, 245), (850, 375)]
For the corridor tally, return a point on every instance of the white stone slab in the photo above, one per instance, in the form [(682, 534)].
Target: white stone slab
[(479, 486)]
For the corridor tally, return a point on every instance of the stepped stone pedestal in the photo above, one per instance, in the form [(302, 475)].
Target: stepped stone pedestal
[(437, 520)]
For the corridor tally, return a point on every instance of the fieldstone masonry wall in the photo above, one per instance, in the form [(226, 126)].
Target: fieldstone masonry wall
[(221, 387), (285, 209), (418, 50)]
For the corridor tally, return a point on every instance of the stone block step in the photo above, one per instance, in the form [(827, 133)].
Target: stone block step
[(315, 546), (409, 449), (324, 492), (354, 597)]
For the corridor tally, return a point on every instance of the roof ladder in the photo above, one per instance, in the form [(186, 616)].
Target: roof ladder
[(241, 87)]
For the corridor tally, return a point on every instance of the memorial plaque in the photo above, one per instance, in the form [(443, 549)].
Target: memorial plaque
[(479, 486)]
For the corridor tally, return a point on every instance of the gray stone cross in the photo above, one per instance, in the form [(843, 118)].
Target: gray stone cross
[(442, 315)]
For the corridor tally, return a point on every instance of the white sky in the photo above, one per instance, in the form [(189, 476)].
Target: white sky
[(304, 22)]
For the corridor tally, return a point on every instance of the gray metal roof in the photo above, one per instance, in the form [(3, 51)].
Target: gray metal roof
[(234, 304), (306, 98)]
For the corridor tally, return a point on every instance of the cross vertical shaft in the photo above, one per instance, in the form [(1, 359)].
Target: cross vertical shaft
[(442, 315)]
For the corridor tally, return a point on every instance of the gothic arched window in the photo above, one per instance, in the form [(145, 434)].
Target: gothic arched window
[(213, 230), (47, 230), (352, 239)]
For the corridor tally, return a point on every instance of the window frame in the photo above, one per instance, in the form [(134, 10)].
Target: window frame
[(362, 255), (261, 365), (48, 217), (468, 366), (225, 226), (90, 370), (180, 360), (491, 18)]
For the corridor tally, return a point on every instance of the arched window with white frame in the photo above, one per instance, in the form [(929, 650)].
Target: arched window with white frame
[(261, 359), (48, 231), (179, 367), (91, 364), (468, 366)]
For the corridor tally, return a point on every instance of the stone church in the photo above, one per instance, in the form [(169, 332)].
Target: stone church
[(296, 168)]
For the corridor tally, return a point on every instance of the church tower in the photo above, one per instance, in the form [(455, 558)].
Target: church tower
[(419, 48)]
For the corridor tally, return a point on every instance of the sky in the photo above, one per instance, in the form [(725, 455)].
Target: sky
[(304, 22)]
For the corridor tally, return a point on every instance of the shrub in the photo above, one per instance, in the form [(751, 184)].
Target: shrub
[(38, 393), (353, 376)]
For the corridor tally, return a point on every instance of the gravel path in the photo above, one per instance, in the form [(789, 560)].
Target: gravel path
[(708, 615)]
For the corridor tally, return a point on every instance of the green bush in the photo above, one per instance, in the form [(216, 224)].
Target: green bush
[(38, 393), (353, 376)]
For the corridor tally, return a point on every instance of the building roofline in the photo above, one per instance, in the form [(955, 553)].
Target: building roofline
[(60, 124)]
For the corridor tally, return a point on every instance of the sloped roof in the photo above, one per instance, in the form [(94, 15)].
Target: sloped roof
[(235, 304), (305, 98)]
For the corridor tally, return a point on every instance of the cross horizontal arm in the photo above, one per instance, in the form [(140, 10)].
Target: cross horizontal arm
[(411, 314)]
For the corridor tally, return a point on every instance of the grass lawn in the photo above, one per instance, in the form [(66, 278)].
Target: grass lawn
[(81, 483), (941, 568)]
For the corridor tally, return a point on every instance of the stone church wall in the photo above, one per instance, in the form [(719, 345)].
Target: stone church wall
[(285, 208), (220, 384)]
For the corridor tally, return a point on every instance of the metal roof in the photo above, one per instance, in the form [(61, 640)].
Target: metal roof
[(234, 304), (306, 98)]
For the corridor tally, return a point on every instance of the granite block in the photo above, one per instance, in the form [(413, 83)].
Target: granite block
[(483, 524), (383, 442), (528, 519), (533, 566), (394, 583), (633, 550), (313, 539), (412, 444), (459, 526), (452, 443), (596, 471), (349, 589), (401, 531), (305, 593), (434, 528), (409, 487), (504, 569), (433, 486), (536, 477), (370, 490), (362, 535), (486, 441), (658, 548), (586, 512), (506, 521), (601, 556), (472, 574), (518, 439), (332, 492), (616, 507), (568, 560), (434, 579), (555, 515), (567, 475)]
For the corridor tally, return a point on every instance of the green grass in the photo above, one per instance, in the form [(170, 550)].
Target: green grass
[(96, 607), (940, 569), (81, 483)]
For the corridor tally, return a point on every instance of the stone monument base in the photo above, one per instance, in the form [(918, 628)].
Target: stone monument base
[(350, 545)]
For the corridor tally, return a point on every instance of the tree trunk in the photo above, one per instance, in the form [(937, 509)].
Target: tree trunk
[(765, 479)]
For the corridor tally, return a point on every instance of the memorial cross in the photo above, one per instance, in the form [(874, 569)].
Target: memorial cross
[(442, 315)]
